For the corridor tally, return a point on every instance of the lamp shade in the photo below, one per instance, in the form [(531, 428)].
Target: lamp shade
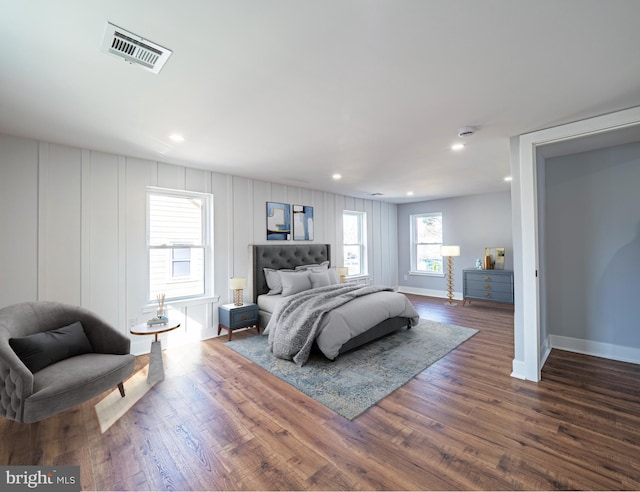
[(342, 271), (450, 250), (237, 283)]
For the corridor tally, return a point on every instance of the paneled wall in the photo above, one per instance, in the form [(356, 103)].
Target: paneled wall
[(74, 227)]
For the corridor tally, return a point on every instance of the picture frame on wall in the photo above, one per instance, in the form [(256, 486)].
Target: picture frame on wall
[(278, 221), (302, 223)]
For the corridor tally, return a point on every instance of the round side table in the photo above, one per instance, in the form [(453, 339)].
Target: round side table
[(156, 366)]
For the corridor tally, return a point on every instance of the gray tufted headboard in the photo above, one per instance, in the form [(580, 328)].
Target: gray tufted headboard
[(280, 256)]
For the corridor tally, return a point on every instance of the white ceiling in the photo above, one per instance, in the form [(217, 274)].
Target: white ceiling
[(292, 91)]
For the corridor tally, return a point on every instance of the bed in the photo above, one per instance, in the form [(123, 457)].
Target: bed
[(346, 327)]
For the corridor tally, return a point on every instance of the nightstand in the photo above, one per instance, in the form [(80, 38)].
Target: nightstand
[(232, 317)]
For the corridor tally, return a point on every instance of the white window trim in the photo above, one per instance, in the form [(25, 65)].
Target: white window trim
[(362, 233), (413, 259), (207, 239), (152, 307), (426, 274)]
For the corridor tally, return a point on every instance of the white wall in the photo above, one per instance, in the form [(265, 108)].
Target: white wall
[(74, 223), (18, 220), (519, 367)]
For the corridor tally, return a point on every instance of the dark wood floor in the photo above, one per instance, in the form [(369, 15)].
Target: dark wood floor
[(219, 422)]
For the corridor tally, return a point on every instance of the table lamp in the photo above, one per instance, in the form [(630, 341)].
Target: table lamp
[(237, 284), (342, 273), (450, 252)]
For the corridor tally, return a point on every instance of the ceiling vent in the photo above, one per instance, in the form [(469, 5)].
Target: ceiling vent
[(466, 131), (134, 49)]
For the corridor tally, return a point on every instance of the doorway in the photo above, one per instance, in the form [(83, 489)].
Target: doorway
[(529, 153)]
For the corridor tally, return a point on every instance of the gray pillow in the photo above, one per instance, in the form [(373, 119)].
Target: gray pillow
[(333, 275), (319, 279), (42, 349), (294, 282), (324, 265), (274, 282)]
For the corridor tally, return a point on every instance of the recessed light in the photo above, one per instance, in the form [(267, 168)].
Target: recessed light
[(508, 178), (176, 137), (337, 176), (409, 193), (457, 146)]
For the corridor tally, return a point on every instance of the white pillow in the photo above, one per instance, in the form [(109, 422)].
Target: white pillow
[(294, 282), (319, 278), (333, 275), (273, 280), (324, 266)]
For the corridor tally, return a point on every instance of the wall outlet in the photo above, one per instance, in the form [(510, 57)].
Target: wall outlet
[(132, 322), (406, 277)]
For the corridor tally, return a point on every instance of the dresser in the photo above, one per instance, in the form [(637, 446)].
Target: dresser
[(488, 285)]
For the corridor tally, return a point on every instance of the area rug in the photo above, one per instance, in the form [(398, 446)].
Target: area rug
[(114, 406), (360, 378)]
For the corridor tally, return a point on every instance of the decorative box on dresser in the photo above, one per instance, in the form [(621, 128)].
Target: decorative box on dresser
[(488, 285)]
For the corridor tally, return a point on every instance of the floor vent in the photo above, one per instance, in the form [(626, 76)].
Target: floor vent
[(134, 49)]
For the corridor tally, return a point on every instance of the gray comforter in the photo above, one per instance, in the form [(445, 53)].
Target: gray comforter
[(295, 324)]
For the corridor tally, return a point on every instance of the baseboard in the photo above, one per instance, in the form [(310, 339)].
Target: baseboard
[(518, 369), (597, 349), (428, 292), (545, 351)]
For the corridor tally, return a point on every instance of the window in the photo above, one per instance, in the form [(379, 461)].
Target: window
[(181, 262), (179, 243), (354, 235), (426, 239)]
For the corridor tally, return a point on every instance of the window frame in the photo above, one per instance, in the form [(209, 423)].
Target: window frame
[(361, 244), (414, 244), (206, 246)]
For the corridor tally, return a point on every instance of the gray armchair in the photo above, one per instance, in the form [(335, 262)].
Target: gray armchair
[(27, 396)]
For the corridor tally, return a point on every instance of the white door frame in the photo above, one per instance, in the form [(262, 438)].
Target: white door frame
[(527, 325)]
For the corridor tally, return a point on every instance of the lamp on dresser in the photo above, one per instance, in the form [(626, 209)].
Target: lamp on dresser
[(450, 251)]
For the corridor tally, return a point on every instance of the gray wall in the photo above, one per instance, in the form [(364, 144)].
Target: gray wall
[(473, 222), (592, 245)]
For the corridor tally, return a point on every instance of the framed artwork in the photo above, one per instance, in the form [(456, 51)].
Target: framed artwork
[(278, 221), (302, 223)]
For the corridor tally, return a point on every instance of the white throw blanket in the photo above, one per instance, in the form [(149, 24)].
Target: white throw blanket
[(294, 324)]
